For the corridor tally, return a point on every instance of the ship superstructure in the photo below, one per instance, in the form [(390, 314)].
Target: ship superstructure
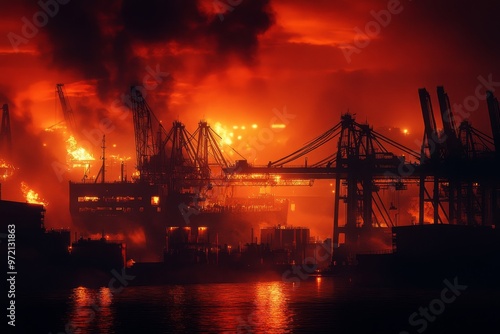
[(180, 182)]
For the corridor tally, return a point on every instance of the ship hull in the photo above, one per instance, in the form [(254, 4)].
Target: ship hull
[(139, 215)]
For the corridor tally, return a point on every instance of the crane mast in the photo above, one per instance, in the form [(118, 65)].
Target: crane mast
[(494, 112), (66, 109), (146, 147), (5, 135)]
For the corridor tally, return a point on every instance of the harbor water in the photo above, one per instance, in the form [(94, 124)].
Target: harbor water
[(310, 305)]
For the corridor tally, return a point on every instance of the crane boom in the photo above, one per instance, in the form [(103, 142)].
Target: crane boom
[(144, 135), (494, 112), (452, 143), (430, 129), (5, 135), (66, 109)]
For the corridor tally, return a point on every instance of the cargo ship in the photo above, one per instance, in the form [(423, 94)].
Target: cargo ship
[(179, 183), (139, 214)]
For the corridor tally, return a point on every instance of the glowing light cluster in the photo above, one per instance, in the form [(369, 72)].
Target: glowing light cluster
[(136, 175), (76, 153), (278, 126), (237, 133), (118, 158), (31, 196), (224, 134), (6, 170), (56, 127)]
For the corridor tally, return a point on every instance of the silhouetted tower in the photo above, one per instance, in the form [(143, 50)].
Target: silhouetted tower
[(180, 154), (207, 148), (494, 112), (102, 171), (356, 163), (453, 154), (430, 154), (453, 147), (459, 164), (69, 117), (145, 144), (5, 134)]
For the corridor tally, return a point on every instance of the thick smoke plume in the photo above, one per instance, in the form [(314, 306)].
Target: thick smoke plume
[(112, 45), (113, 42)]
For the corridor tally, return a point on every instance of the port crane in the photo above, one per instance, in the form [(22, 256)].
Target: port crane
[(69, 117), (459, 163), (361, 165), (5, 134), (181, 159), (455, 163)]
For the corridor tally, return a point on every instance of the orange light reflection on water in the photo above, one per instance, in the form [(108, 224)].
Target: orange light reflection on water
[(176, 299), (91, 311), (272, 311)]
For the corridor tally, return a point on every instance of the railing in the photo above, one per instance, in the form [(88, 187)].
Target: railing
[(382, 251)]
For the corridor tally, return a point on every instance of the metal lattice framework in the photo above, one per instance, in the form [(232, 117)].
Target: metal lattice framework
[(5, 134), (69, 117), (144, 135), (458, 165)]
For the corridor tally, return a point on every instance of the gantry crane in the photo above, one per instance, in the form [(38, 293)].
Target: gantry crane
[(145, 144), (459, 163), (183, 160), (361, 165)]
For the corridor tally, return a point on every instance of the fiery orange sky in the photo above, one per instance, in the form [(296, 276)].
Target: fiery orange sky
[(237, 62)]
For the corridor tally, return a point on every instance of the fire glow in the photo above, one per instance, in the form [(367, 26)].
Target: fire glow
[(238, 133), (76, 153), (6, 170), (31, 196)]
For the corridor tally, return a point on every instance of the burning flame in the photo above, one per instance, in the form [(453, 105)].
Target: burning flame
[(6, 170), (415, 212), (76, 153), (31, 196)]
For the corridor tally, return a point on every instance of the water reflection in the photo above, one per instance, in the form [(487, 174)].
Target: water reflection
[(318, 284), (273, 311), (90, 310), (257, 307), (176, 303)]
